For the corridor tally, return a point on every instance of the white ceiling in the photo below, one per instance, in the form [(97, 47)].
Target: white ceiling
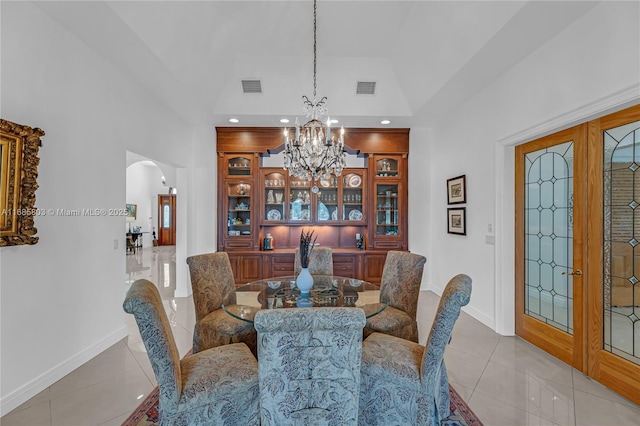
[(426, 57)]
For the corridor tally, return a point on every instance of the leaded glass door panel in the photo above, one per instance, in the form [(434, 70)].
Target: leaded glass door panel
[(614, 252), (550, 181)]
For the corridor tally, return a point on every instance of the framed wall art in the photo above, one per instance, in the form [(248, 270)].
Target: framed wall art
[(132, 212), (457, 190), (457, 220), (19, 146)]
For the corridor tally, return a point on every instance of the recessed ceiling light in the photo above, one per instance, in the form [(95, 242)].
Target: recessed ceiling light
[(334, 121), (385, 122), (284, 120), (234, 120)]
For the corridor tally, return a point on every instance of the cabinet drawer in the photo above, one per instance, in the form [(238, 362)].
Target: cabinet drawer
[(387, 245), (281, 265), (344, 270), (284, 267), (238, 244), (344, 266)]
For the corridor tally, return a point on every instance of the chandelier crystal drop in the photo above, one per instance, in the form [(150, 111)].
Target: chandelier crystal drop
[(315, 153)]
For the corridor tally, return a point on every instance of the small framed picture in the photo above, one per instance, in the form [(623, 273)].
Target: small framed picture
[(132, 212), (457, 220), (457, 190)]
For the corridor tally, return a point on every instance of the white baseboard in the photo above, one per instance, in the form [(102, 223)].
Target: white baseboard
[(48, 378), (483, 318)]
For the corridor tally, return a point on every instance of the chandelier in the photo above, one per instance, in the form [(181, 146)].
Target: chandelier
[(315, 153)]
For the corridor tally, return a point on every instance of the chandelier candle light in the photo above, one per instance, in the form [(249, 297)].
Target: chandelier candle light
[(315, 153)]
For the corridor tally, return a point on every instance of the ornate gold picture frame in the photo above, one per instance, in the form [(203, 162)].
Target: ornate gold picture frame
[(19, 146)]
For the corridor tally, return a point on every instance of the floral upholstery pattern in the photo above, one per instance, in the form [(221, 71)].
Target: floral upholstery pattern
[(320, 261), (309, 365), (404, 383), (215, 386), (400, 288), (213, 285)]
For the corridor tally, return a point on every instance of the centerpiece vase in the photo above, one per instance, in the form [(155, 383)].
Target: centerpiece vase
[(304, 282)]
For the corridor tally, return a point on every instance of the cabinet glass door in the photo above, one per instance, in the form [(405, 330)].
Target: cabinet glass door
[(239, 209), (327, 200), (387, 167), (274, 196), (239, 166), (299, 200), (386, 209), (352, 197)]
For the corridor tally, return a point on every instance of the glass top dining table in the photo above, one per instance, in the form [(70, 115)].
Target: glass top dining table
[(327, 291)]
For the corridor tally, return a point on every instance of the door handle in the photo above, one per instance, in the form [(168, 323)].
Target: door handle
[(577, 272)]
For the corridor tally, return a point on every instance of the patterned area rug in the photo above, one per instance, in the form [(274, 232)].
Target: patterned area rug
[(147, 413)]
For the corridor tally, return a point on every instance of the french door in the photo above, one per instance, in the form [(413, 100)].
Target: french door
[(614, 252), (550, 223), (578, 248)]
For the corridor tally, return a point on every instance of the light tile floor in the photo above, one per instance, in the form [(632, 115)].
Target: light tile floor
[(505, 380)]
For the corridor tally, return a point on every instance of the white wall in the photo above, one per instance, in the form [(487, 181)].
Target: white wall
[(420, 198), (144, 183), (588, 69), (61, 299), (202, 192)]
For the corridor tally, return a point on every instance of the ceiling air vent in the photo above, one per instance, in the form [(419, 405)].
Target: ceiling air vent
[(251, 86), (366, 88)]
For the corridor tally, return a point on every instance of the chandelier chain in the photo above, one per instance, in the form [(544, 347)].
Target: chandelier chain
[(315, 61), (314, 153)]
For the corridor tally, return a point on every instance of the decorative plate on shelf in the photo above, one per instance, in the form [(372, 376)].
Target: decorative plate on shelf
[(304, 214), (324, 183), (355, 181), (334, 215), (355, 214), (274, 215)]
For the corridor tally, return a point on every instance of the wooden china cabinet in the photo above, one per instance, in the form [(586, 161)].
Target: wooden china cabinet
[(254, 201)]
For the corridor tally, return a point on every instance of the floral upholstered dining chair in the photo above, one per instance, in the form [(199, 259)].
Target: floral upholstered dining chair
[(309, 365), (404, 383), (399, 289), (215, 386), (213, 285)]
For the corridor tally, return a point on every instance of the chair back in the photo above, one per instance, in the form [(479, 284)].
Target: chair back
[(401, 280), (212, 282), (320, 262), (309, 367), (434, 373), (143, 301)]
